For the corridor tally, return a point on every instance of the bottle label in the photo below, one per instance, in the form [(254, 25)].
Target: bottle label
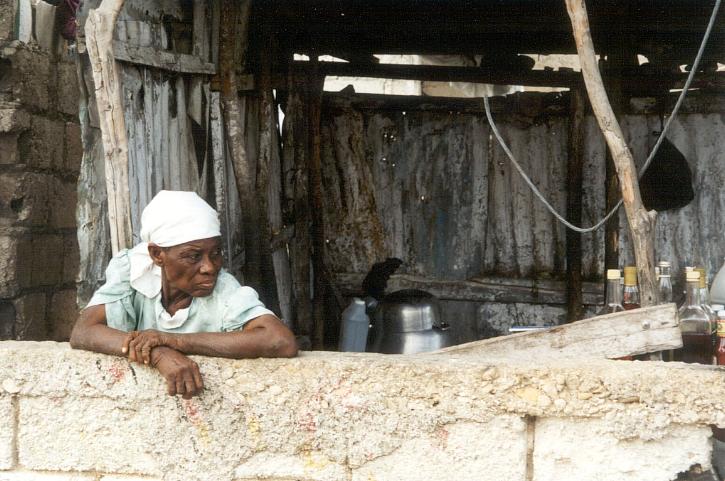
[(721, 328)]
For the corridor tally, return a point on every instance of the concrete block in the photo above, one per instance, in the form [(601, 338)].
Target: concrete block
[(13, 119), (67, 88), (47, 259), (63, 314), (8, 149), (39, 476), (24, 198), (73, 148), (572, 449), (29, 77), (493, 450), (41, 146), (7, 432), (91, 434), (7, 19), (126, 477), (9, 285), (15, 264), (309, 466), (62, 204), (71, 258), (7, 320), (30, 321)]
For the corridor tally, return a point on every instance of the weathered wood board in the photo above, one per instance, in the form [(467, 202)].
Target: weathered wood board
[(610, 336)]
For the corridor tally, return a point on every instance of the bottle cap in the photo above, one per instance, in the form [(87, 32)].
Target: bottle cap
[(613, 274), (692, 276), (664, 264), (630, 276), (703, 278)]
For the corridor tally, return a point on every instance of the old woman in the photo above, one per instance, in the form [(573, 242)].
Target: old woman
[(169, 297)]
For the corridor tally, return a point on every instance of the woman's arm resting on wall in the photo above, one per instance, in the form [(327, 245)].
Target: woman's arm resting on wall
[(92, 334), (263, 336)]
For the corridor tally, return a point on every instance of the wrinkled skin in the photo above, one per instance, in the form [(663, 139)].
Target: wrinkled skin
[(188, 270)]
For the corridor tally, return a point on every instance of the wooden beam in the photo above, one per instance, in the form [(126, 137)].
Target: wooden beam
[(99, 37), (489, 289), (173, 62), (641, 222), (639, 79), (575, 163), (611, 336)]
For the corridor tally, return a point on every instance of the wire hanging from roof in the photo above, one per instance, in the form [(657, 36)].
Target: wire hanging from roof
[(660, 139)]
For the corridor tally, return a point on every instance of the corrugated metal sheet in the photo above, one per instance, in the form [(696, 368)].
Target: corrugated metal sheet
[(446, 200)]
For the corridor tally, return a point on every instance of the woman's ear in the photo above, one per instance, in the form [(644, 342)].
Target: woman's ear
[(157, 254)]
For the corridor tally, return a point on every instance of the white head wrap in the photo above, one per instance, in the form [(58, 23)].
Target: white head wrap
[(170, 219)]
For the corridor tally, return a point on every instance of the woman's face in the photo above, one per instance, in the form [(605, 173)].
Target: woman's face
[(191, 267)]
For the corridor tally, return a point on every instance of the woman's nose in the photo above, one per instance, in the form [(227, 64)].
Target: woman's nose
[(207, 266)]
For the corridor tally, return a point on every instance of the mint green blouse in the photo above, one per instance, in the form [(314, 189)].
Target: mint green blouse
[(228, 308)]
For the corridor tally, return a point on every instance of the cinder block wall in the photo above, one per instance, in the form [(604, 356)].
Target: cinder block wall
[(73, 415), (40, 155)]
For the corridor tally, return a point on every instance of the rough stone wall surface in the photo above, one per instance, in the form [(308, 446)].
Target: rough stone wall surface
[(40, 153), (68, 414)]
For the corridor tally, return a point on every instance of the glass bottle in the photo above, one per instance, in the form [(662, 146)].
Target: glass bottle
[(720, 346), (664, 282), (630, 294), (705, 295), (613, 302), (696, 326)]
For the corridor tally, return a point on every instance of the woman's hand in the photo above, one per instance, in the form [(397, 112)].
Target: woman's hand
[(181, 373), (138, 344)]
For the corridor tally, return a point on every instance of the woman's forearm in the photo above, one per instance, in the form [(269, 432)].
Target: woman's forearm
[(92, 334), (260, 338)]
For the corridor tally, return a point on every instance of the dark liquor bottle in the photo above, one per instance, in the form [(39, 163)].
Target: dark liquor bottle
[(697, 327)]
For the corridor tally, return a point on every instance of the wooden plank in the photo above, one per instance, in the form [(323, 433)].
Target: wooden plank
[(490, 289), (99, 37), (269, 186), (574, 206), (612, 336), (315, 85), (295, 154), (639, 78), (173, 62)]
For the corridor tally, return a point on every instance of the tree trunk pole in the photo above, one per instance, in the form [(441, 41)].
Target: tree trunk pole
[(99, 41), (641, 222), (574, 304)]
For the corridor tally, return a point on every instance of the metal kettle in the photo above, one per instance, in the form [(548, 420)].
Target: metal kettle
[(408, 322)]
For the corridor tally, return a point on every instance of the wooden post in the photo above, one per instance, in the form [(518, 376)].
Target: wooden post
[(99, 41), (575, 308), (641, 222), (295, 157), (233, 35), (315, 86), (269, 183)]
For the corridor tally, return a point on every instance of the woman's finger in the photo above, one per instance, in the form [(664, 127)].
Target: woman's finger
[(197, 378), (180, 386), (129, 337), (146, 354), (171, 386)]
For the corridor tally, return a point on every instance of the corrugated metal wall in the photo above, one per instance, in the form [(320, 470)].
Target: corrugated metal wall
[(435, 189)]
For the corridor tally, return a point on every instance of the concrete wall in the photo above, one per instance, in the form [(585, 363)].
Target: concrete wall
[(40, 153), (325, 417)]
